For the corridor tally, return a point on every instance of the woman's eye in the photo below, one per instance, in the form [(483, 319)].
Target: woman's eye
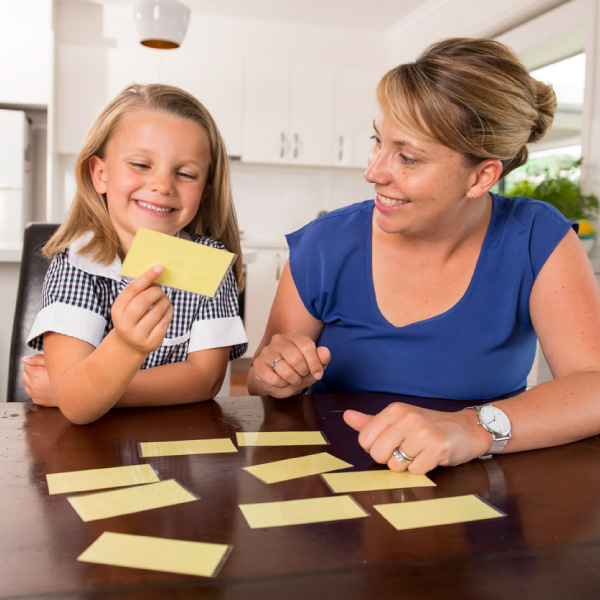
[(376, 139), (406, 160)]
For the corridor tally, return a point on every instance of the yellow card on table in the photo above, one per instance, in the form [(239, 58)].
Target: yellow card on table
[(102, 505), (291, 468), (439, 511), (187, 265), (298, 512), (180, 447), (362, 481), (157, 554), (280, 438), (97, 479)]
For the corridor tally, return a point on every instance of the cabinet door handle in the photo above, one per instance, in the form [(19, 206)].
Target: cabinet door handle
[(341, 152), (296, 145), (282, 149), (278, 269)]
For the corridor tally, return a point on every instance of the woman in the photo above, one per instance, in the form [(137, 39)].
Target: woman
[(438, 288)]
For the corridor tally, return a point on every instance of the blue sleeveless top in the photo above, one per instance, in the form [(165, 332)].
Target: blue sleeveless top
[(482, 347)]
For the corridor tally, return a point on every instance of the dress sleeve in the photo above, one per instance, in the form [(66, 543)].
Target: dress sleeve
[(70, 304), (548, 228), (218, 322)]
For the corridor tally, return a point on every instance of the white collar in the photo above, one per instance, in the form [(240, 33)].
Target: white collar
[(86, 263)]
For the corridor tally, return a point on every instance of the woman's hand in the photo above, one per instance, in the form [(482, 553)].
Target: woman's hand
[(36, 381), (142, 313), (431, 438), (290, 363)]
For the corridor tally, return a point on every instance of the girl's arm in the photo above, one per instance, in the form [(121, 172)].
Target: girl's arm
[(88, 382), (290, 336), (565, 310)]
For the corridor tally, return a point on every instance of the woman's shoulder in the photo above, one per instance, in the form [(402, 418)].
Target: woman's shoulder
[(527, 210), (336, 220)]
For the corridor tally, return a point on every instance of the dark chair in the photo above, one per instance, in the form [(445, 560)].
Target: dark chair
[(31, 277)]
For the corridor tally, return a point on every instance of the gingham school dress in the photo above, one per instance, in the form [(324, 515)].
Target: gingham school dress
[(78, 294)]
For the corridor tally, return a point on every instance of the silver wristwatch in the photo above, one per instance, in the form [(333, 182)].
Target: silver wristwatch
[(497, 423)]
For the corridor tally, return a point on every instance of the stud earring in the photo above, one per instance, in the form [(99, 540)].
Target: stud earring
[(471, 194)]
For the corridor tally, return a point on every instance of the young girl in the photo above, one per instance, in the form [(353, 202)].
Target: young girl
[(154, 158)]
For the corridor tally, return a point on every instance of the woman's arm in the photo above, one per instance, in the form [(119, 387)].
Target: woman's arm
[(565, 310), (290, 338)]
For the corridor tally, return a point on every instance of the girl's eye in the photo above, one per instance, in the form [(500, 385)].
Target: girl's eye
[(186, 175), (139, 165)]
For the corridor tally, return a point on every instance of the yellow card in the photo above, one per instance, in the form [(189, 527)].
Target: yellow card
[(97, 479), (102, 505), (158, 554), (362, 481), (297, 512), (177, 448), (440, 511), (291, 468), (280, 438), (188, 266)]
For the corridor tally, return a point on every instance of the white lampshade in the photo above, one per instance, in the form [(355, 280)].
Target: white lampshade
[(161, 23)]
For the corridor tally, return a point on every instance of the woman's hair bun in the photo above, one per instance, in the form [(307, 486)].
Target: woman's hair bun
[(545, 105)]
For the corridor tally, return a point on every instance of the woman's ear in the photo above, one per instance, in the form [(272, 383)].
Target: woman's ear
[(487, 174), (98, 173)]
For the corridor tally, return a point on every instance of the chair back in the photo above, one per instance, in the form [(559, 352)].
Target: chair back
[(31, 278)]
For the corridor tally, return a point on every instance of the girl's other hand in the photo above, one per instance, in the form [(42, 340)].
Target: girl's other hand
[(36, 381), (290, 363), (142, 313)]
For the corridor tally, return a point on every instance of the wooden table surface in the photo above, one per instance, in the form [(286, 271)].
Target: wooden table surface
[(548, 545)]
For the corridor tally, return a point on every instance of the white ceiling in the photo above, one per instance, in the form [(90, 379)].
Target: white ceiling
[(368, 15)]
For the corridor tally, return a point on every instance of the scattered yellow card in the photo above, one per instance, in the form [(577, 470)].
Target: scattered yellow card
[(297, 512), (187, 265), (280, 438), (291, 468), (440, 511), (157, 554), (177, 448), (97, 479), (102, 505), (384, 479)]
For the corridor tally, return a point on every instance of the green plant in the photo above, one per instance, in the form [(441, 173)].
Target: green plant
[(562, 190)]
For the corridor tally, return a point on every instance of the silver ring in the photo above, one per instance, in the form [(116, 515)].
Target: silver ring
[(402, 457), (275, 362)]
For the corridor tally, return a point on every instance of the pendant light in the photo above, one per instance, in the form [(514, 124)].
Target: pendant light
[(161, 23)]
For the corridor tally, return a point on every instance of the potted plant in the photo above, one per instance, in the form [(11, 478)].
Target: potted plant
[(563, 191)]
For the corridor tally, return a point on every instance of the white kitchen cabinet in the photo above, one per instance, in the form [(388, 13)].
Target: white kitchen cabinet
[(261, 284), (26, 52), (355, 109), (131, 64), (288, 114)]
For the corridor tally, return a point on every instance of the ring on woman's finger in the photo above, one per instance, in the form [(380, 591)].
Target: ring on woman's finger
[(275, 362), (402, 457)]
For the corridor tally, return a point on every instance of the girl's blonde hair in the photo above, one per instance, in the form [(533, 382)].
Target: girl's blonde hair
[(472, 95), (216, 215)]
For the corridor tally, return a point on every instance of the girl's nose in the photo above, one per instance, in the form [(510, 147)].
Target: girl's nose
[(161, 183)]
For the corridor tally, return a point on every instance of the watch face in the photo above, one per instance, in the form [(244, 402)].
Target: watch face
[(495, 419)]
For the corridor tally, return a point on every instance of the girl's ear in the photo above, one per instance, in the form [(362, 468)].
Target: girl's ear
[(98, 173)]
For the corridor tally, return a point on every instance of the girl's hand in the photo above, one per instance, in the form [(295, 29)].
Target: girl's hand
[(431, 438), (142, 313), (36, 381), (290, 363)]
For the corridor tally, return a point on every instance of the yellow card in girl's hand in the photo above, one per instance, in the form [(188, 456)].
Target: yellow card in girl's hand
[(187, 265)]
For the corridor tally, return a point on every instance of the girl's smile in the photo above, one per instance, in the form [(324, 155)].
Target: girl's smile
[(153, 173)]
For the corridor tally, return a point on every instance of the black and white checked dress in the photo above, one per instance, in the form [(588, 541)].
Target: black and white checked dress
[(78, 294)]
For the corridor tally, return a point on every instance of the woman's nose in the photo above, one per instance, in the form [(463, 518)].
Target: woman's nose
[(377, 171)]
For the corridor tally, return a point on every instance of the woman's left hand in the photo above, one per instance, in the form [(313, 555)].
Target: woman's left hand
[(430, 438)]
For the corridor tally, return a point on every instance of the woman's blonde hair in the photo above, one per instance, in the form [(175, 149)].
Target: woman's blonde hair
[(216, 215), (472, 95)]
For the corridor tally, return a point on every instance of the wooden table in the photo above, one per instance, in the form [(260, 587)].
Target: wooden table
[(547, 547)]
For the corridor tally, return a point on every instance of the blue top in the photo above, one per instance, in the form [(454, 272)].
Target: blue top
[(483, 347)]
